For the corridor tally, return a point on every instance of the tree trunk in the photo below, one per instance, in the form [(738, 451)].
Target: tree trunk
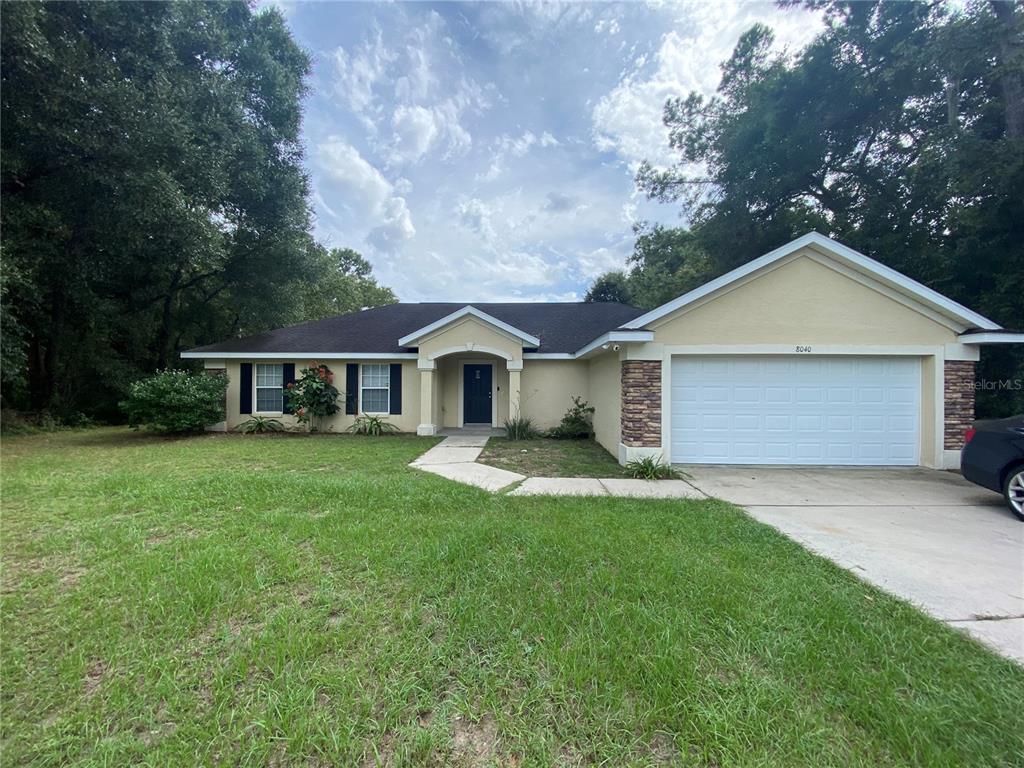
[(166, 322), (1011, 55)]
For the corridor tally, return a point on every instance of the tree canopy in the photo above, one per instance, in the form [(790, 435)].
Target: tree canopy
[(899, 130), (153, 193)]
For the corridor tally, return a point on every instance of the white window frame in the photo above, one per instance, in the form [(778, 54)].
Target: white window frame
[(256, 388), (387, 388)]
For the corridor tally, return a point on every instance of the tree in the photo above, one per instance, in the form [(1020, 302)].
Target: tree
[(609, 287), (893, 131), (666, 262), (153, 191), (345, 284)]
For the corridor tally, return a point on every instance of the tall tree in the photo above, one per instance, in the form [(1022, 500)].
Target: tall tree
[(666, 262), (609, 287), (346, 284), (153, 192), (895, 130)]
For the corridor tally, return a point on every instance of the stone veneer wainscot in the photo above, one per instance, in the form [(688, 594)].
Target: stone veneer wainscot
[(641, 403), (959, 396)]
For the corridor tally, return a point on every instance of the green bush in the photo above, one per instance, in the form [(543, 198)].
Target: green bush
[(520, 428), (176, 401), (650, 468), (577, 424), (312, 397), (258, 425), (374, 426), (20, 423)]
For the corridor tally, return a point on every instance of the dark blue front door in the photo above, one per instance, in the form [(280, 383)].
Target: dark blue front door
[(476, 393)]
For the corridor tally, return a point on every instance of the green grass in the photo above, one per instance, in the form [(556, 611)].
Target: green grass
[(291, 600), (545, 457)]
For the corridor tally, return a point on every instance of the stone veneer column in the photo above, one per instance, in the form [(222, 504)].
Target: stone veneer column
[(959, 402), (641, 403)]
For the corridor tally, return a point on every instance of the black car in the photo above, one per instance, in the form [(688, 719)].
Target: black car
[(993, 457)]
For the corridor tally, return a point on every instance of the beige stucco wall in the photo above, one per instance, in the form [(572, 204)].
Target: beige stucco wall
[(547, 388), (605, 374), (467, 335), (406, 421), (802, 302)]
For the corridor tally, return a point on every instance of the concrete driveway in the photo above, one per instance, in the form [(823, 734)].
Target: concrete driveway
[(949, 547)]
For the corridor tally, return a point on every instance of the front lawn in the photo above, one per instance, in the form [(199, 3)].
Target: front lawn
[(314, 601), (545, 457)]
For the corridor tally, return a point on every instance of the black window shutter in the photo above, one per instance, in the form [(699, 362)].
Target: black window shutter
[(396, 389), (287, 377), (245, 388), (351, 388)]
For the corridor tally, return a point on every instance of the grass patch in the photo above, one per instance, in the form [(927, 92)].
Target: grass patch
[(545, 457), (314, 601)]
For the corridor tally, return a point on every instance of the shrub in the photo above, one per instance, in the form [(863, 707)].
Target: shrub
[(650, 468), (176, 401), (258, 425), (21, 423), (520, 428), (374, 426), (313, 396), (577, 424)]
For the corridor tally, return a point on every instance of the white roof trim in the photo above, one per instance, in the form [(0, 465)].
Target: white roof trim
[(410, 339), (885, 275), (290, 355), (614, 336), (991, 338)]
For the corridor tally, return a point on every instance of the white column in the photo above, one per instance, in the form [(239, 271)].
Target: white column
[(515, 368), (427, 424)]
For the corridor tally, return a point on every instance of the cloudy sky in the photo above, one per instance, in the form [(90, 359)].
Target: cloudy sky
[(486, 151)]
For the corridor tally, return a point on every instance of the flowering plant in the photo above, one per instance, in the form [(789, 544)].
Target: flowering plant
[(313, 396)]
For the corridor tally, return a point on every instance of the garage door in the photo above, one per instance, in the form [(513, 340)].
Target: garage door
[(795, 410)]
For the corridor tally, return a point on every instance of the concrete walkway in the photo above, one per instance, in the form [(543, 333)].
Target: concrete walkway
[(612, 486), (455, 458)]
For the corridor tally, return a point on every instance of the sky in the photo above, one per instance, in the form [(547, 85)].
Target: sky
[(486, 151)]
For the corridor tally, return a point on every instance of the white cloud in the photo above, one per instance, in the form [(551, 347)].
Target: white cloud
[(411, 81), (559, 202), (611, 26), (475, 215), (396, 227), (415, 131), (628, 119), (514, 146), (363, 189), (358, 74)]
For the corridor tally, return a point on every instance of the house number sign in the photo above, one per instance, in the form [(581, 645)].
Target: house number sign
[(802, 349)]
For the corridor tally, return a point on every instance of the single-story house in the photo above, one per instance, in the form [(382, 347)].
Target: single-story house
[(810, 354)]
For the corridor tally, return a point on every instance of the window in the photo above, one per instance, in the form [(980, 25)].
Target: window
[(269, 392), (375, 394)]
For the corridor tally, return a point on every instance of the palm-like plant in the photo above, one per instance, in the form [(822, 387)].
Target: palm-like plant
[(259, 425), (374, 426), (650, 468)]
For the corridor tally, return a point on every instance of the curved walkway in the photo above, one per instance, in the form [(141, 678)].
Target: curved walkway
[(456, 457)]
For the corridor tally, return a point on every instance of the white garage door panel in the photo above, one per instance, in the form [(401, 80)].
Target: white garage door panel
[(795, 410)]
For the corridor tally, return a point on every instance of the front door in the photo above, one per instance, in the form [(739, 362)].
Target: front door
[(476, 389)]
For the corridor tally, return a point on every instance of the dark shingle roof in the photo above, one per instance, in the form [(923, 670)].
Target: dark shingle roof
[(561, 327)]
